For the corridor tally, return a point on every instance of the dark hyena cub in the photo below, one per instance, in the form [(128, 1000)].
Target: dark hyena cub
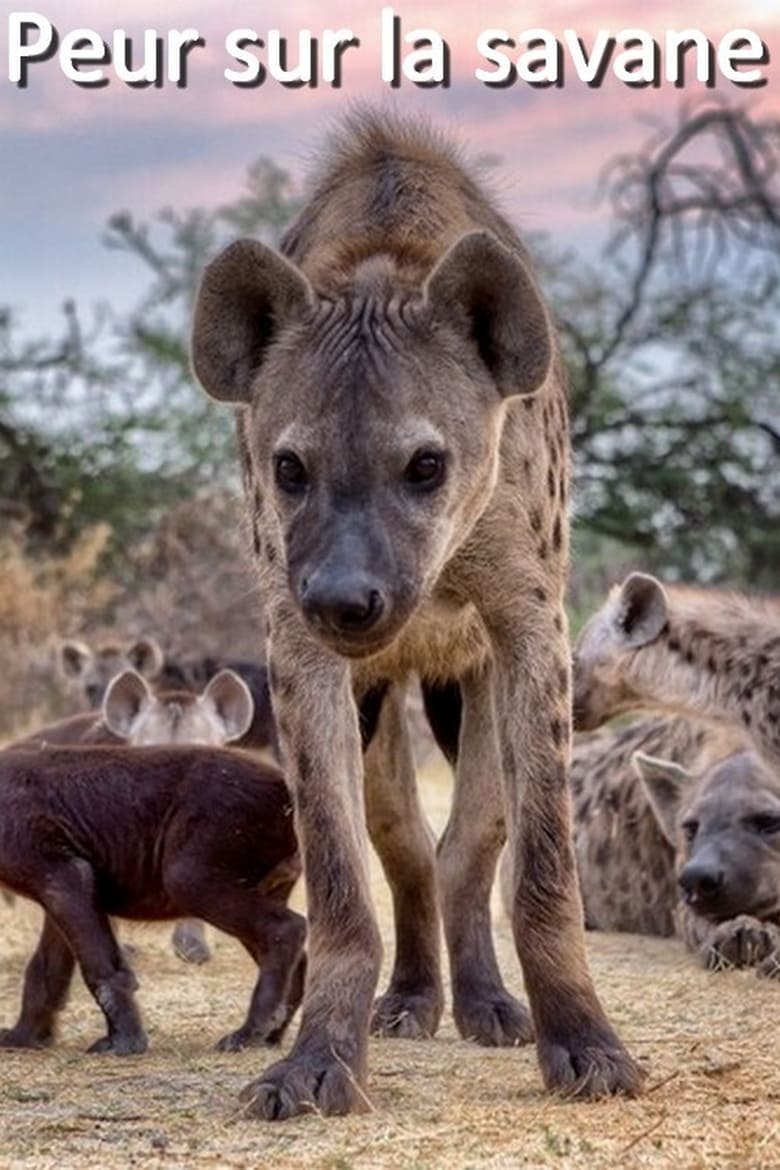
[(404, 442)]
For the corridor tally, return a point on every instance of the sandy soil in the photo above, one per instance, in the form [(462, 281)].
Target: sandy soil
[(711, 1045)]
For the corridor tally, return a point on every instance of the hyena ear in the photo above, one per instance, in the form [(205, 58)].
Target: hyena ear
[(500, 304), (231, 703), (245, 294), (664, 783), (145, 656), (127, 694), (642, 609), (73, 658)]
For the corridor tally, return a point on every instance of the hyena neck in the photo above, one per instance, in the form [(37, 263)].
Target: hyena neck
[(722, 666)]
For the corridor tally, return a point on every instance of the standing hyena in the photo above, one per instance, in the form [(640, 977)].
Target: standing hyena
[(403, 434)]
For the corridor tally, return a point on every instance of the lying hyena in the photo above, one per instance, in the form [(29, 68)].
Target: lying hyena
[(133, 714), (404, 443), (625, 858), (705, 654), (724, 827)]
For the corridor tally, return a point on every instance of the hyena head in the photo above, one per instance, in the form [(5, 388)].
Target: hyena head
[(90, 671), (221, 714), (725, 827), (374, 415), (634, 615)]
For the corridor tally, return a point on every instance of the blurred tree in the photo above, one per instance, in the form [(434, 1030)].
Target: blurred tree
[(104, 423), (673, 343), (154, 337)]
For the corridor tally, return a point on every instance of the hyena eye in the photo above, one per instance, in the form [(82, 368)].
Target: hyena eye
[(767, 824), (425, 470), (690, 829), (289, 472)]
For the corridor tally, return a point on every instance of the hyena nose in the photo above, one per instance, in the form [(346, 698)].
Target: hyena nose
[(700, 882), (344, 605)]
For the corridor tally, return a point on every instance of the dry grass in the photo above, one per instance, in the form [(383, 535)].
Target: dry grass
[(187, 583), (34, 595), (710, 1043)]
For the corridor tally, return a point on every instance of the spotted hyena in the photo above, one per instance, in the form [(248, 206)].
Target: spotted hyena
[(724, 827), (132, 713), (701, 653), (625, 859), (148, 834), (89, 669), (403, 435)]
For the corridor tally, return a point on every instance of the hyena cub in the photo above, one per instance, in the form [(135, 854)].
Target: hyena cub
[(403, 435), (724, 826), (88, 670), (132, 713)]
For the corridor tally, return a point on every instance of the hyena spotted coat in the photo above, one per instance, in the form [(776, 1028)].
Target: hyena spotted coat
[(625, 854), (403, 436), (702, 653)]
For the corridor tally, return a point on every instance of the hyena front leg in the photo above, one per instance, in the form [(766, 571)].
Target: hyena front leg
[(483, 1008), (317, 720), (412, 1005), (578, 1050)]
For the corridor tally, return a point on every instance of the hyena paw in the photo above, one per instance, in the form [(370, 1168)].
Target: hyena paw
[(769, 968), (740, 942), (249, 1038), (120, 1044), (317, 1082), (190, 945), (18, 1038), (493, 1018), (590, 1062), (407, 1015)]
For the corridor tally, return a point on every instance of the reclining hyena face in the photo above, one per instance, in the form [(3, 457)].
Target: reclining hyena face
[(90, 671), (725, 827), (369, 512), (220, 715)]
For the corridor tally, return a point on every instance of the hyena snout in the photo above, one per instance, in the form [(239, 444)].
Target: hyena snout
[(340, 602), (702, 882)]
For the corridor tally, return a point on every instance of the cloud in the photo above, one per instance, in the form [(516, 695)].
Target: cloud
[(78, 154)]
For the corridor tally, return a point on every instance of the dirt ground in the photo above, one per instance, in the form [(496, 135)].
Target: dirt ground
[(711, 1045)]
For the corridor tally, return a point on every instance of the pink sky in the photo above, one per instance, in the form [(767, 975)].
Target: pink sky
[(77, 154)]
